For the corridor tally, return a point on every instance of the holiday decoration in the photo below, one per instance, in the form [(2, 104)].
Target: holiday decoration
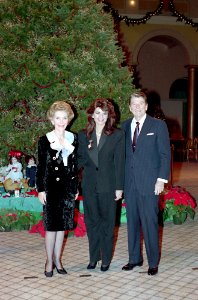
[(11, 186), (31, 171), (163, 4), (14, 169), (177, 204), (16, 220)]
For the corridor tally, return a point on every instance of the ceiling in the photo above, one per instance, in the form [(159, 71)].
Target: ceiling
[(138, 7)]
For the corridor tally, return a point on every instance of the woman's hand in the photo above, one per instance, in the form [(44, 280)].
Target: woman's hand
[(42, 197), (77, 195), (118, 194)]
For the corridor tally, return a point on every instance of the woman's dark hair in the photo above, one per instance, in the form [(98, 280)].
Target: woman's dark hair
[(105, 105)]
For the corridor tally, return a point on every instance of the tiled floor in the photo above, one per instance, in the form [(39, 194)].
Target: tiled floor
[(22, 258)]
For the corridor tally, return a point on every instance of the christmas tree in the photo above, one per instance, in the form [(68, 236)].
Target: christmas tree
[(55, 50)]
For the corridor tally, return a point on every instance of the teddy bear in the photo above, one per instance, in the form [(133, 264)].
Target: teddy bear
[(11, 186)]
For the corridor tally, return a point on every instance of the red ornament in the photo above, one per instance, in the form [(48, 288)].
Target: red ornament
[(15, 153)]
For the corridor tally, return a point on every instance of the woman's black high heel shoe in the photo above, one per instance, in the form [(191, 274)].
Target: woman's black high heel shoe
[(48, 274), (91, 266), (60, 271)]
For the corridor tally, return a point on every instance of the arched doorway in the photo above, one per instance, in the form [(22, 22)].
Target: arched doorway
[(161, 57)]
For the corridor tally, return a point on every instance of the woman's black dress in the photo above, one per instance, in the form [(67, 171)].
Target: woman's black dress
[(60, 184)]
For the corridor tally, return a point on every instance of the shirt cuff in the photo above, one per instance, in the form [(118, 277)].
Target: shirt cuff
[(163, 180)]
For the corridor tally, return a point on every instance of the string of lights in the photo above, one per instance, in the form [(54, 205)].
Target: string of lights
[(137, 21)]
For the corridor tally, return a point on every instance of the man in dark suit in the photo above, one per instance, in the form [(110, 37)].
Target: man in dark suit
[(147, 168)]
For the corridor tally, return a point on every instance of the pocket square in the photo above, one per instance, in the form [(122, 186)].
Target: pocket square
[(150, 133)]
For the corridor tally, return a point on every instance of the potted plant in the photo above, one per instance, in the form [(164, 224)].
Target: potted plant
[(177, 204), (15, 220)]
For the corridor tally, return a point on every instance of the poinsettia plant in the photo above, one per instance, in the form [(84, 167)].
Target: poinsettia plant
[(177, 204), (79, 231), (15, 220)]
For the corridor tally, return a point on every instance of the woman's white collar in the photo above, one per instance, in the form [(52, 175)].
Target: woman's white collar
[(67, 148)]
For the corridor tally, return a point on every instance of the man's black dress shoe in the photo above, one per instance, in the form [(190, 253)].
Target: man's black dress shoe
[(129, 267), (152, 271), (91, 266), (104, 268)]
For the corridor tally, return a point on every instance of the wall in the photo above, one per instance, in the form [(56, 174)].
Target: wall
[(158, 62), (136, 36), (159, 66)]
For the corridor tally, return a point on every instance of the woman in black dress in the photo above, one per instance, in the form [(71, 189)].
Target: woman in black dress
[(56, 181)]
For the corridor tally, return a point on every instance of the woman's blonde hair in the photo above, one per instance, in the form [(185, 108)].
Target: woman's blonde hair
[(60, 106)]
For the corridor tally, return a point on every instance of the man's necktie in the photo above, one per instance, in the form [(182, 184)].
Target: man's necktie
[(135, 135)]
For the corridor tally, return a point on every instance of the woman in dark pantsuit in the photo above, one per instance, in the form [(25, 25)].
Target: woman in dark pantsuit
[(101, 155)]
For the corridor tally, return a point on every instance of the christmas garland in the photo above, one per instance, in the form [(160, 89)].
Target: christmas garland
[(137, 21)]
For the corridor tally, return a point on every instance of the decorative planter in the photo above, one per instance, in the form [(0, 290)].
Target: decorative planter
[(179, 218)]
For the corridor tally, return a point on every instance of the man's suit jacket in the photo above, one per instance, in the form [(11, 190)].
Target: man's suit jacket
[(103, 165), (151, 158)]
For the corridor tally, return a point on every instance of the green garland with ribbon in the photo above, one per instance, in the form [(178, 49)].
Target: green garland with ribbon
[(137, 21)]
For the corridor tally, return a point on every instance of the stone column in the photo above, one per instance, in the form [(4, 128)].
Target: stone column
[(191, 100)]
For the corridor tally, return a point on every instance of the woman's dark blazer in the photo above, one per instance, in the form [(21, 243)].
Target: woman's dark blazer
[(60, 184), (51, 174), (103, 166)]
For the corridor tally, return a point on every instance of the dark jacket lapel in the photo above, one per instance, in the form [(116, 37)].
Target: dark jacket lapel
[(103, 139), (143, 132), (128, 135), (93, 151)]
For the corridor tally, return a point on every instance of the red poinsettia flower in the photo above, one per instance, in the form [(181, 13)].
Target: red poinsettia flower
[(38, 228), (12, 215), (79, 231), (176, 201), (180, 196)]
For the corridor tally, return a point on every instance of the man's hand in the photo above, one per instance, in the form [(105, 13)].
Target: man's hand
[(159, 187), (118, 194)]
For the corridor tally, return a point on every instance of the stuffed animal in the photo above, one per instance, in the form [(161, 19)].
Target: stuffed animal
[(9, 185), (25, 184)]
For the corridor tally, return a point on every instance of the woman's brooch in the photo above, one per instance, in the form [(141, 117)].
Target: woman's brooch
[(90, 146)]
